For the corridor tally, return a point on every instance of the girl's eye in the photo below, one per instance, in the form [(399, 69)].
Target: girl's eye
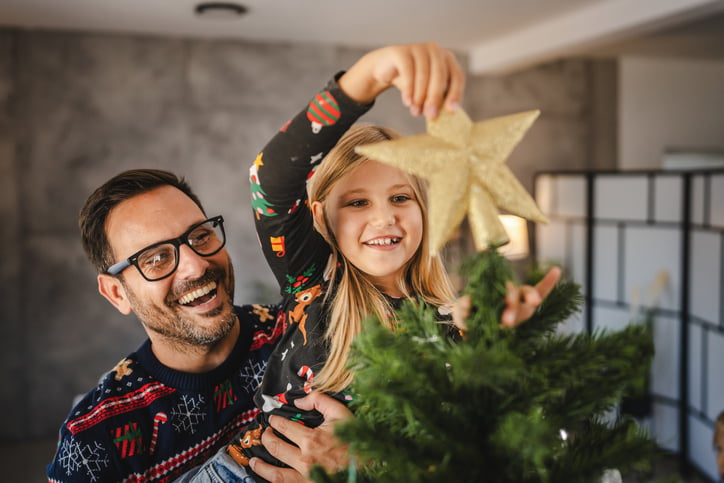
[(400, 198), (357, 203)]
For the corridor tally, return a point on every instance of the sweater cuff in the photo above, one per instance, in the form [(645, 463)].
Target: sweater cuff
[(347, 104)]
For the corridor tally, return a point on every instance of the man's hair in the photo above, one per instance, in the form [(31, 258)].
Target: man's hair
[(123, 186)]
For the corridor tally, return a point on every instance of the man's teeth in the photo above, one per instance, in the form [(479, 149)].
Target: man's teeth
[(383, 241), (199, 292)]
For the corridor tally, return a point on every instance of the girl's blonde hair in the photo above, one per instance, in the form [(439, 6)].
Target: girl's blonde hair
[(355, 298)]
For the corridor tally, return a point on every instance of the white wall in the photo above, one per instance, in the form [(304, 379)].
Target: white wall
[(636, 262), (668, 104)]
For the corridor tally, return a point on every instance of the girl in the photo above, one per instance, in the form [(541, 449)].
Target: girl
[(352, 240)]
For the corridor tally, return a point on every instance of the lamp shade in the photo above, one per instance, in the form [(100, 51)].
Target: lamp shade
[(517, 229)]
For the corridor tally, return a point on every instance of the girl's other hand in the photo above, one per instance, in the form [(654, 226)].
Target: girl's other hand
[(520, 301)]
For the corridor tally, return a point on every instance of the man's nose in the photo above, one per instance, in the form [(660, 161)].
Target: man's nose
[(191, 265)]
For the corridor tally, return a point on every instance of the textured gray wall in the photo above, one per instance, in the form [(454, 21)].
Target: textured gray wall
[(575, 129), (76, 109)]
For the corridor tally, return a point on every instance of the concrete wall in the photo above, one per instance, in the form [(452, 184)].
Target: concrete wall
[(576, 127), (12, 333), (669, 104), (76, 109)]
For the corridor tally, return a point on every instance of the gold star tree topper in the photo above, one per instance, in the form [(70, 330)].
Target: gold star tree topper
[(464, 164)]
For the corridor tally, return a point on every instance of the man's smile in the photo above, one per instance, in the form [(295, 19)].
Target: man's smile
[(199, 296)]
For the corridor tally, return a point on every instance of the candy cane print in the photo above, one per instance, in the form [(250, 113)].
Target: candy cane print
[(157, 421), (308, 373)]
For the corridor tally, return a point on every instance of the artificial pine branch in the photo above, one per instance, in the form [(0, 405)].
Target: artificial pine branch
[(623, 442), (496, 405)]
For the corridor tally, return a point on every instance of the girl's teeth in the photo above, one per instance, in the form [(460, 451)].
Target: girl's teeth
[(384, 241)]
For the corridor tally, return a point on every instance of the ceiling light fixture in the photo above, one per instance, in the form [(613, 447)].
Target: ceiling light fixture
[(220, 10)]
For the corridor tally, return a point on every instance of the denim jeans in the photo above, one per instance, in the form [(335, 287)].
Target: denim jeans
[(221, 468)]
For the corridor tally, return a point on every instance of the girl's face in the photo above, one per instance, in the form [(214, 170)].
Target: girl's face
[(376, 219)]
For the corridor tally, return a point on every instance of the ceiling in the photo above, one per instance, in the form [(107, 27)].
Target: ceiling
[(496, 35)]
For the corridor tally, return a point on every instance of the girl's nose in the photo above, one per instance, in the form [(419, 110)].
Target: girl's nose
[(383, 217)]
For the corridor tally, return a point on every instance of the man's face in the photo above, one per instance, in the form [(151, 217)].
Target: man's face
[(194, 305)]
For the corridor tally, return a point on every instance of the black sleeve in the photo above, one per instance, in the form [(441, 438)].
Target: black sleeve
[(284, 224)]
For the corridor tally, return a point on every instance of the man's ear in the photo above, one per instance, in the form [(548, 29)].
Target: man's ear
[(110, 287)]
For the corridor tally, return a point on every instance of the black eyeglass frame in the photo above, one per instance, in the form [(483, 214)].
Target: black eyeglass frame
[(117, 268)]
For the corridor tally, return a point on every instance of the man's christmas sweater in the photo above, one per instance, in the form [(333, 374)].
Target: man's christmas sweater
[(146, 422)]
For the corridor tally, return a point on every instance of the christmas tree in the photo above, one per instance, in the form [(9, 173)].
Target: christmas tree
[(528, 404), (501, 405), (259, 203)]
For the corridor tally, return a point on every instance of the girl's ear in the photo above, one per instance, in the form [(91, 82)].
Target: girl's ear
[(318, 215), (112, 289)]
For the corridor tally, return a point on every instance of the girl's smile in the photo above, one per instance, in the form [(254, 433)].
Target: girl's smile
[(376, 220)]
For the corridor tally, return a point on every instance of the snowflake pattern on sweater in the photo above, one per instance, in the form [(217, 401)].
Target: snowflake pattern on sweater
[(146, 422)]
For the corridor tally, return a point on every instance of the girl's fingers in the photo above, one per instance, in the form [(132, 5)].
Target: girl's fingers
[(426, 75), (512, 294), (421, 58), (403, 65), (530, 296), (456, 82), (549, 281), (522, 302), (429, 76), (438, 81), (512, 300)]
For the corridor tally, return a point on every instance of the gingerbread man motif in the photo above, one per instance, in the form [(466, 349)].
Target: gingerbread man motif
[(122, 369)]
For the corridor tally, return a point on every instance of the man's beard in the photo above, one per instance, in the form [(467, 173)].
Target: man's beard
[(171, 322)]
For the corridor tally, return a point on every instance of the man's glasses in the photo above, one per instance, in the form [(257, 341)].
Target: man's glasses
[(160, 260)]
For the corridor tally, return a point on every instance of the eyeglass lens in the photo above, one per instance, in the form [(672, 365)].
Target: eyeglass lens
[(160, 260)]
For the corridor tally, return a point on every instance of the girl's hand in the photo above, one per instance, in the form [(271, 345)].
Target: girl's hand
[(520, 301), (427, 75)]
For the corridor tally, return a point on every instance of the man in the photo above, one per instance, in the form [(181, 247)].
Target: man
[(187, 390)]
